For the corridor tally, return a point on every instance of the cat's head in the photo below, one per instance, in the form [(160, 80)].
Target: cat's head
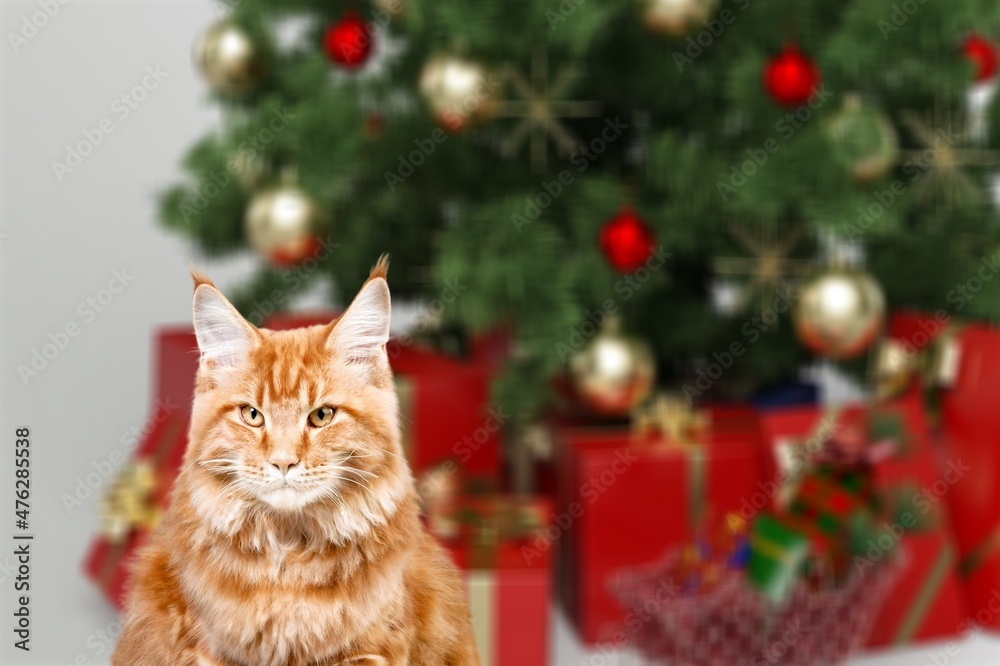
[(285, 420)]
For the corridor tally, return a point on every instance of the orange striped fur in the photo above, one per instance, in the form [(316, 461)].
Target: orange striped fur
[(289, 544)]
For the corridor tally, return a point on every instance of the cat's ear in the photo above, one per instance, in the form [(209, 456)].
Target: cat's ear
[(362, 332), (225, 338)]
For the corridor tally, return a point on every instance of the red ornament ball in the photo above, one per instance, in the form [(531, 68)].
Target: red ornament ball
[(347, 42), (983, 55), (626, 241), (791, 78)]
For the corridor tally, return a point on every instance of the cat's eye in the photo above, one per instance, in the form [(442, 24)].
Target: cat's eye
[(251, 416), (321, 416)]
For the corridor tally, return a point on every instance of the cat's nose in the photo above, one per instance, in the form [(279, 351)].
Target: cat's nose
[(283, 463)]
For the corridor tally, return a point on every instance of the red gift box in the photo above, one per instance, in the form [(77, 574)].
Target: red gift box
[(626, 499), (926, 601), (508, 580), (971, 425), (175, 364), (162, 451)]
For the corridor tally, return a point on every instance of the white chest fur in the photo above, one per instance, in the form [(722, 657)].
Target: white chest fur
[(284, 608)]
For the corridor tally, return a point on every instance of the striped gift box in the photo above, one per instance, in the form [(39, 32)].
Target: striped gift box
[(507, 569)]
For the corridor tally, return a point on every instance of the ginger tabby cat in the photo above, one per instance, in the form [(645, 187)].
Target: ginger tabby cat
[(293, 535)]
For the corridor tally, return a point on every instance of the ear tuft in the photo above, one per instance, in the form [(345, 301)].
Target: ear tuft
[(380, 269), (200, 279), (362, 332), (225, 338)]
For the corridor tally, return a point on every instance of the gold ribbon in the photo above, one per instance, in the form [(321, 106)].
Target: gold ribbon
[(679, 426), (925, 596), (989, 547), (943, 357), (128, 504), (771, 550), (673, 418), (482, 606)]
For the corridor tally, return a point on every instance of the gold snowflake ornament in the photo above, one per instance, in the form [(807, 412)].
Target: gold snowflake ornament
[(944, 157), (541, 112), (768, 267)]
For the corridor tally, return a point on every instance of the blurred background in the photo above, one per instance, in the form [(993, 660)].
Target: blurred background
[(694, 308)]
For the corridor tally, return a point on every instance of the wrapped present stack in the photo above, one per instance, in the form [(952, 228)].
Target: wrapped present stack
[(628, 495), (831, 507), (823, 498), (860, 504), (495, 544), (814, 557)]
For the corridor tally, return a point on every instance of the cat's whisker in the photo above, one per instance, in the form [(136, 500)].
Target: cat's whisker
[(339, 463), (372, 455), (215, 460), (360, 485), (187, 469), (334, 494), (238, 485), (395, 455), (230, 467), (353, 470)]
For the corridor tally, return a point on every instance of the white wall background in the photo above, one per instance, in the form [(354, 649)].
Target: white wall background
[(61, 242)]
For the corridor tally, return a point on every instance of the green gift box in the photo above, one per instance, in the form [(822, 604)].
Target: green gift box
[(778, 553)]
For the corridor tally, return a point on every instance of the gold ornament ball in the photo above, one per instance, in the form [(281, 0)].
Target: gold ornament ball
[(677, 17), (862, 140), (839, 312), (393, 7), (282, 223), (456, 90), (613, 372), (248, 168), (230, 59)]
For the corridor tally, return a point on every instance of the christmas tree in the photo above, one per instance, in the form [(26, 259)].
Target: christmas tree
[(682, 165)]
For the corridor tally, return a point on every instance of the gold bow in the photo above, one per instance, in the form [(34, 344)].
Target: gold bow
[(506, 519), (128, 503), (496, 521), (895, 363), (672, 417), (894, 367)]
